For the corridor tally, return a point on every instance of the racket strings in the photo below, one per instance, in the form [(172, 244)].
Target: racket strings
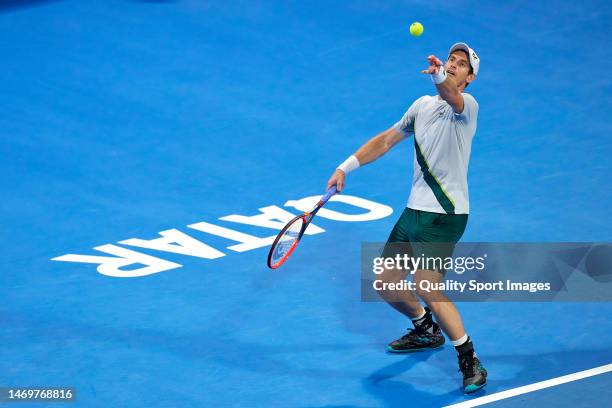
[(287, 240)]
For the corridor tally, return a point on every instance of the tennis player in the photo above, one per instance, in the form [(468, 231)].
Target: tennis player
[(442, 127)]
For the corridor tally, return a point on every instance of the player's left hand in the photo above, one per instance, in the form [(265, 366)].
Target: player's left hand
[(434, 65)]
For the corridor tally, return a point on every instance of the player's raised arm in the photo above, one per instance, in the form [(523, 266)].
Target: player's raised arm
[(370, 151), (445, 84), (451, 78)]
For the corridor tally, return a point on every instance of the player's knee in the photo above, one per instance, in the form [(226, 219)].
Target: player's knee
[(386, 282), (392, 276)]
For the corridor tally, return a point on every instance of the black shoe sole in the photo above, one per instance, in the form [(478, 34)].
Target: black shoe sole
[(395, 351)]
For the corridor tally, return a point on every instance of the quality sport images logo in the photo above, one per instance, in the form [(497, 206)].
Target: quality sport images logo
[(179, 242)]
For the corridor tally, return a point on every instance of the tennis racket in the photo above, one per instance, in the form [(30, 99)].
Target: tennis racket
[(289, 237)]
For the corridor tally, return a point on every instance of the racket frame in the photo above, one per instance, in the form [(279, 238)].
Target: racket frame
[(293, 246), (307, 216)]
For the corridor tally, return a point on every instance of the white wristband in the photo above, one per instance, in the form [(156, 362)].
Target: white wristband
[(349, 165), (439, 77)]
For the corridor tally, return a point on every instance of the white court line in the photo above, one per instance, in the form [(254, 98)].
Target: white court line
[(532, 387)]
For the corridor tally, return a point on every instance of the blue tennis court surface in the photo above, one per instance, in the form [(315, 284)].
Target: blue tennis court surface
[(125, 119)]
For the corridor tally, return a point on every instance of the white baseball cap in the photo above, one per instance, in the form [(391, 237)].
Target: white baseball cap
[(474, 60)]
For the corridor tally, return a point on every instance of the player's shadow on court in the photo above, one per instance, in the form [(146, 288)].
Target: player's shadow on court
[(393, 392), (506, 371)]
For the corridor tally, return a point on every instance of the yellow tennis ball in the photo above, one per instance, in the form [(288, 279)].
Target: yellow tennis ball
[(416, 29)]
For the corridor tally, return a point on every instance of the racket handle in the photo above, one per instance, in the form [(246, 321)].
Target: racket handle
[(329, 194)]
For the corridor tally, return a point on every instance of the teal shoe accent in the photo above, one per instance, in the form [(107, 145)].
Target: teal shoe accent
[(473, 387)]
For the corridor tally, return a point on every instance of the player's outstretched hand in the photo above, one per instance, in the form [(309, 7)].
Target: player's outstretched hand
[(336, 179), (434, 65)]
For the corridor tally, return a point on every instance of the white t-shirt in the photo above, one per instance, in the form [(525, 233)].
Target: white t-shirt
[(443, 142)]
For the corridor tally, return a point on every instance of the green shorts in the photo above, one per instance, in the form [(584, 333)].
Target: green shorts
[(425, 234)]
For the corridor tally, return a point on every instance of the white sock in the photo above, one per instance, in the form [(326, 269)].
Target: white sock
[(460, 340), (414, 319)]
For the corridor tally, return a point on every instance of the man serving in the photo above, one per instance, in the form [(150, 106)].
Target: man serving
[(443, 127)]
